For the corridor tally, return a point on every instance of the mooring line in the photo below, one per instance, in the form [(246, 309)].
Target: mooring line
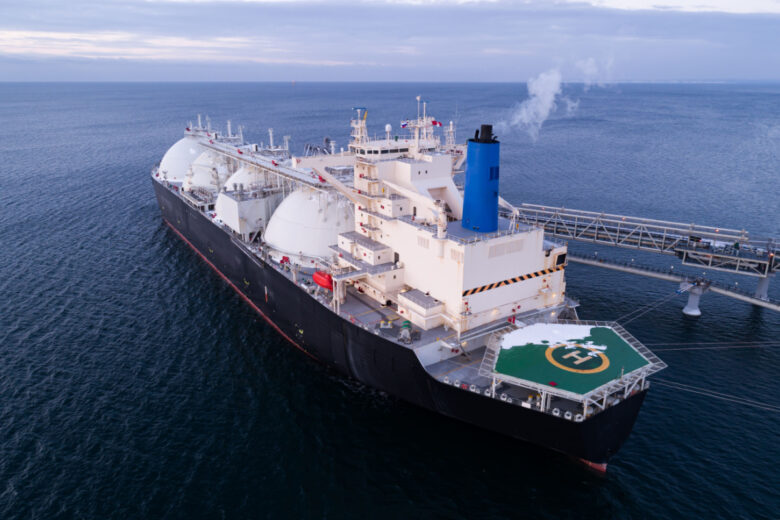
[(647, 308), (723, 347), (717, 395), (662, 344)]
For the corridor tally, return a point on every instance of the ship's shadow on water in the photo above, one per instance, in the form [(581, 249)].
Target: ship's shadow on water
[(134, 383)]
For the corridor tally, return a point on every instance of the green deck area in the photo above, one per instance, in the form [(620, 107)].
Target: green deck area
[(575, 358)]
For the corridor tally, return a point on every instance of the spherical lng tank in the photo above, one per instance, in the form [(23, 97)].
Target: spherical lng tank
[(307, 222), (208, 171), (178, 159), (245, 177)]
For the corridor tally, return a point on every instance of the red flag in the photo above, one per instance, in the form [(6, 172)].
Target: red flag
[(239, 151)]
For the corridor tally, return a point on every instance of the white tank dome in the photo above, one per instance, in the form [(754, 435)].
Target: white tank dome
[(178, 158), (201, 172), (307, 222), (243, 176)]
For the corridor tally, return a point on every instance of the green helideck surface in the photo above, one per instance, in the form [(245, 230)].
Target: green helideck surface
[(531, 361)]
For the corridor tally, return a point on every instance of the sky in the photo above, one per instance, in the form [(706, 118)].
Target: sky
[(594, 41)]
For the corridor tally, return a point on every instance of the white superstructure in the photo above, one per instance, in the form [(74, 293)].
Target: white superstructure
[(409, 248), (383, 217)]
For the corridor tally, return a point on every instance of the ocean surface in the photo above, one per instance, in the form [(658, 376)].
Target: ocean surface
[(135, 384)]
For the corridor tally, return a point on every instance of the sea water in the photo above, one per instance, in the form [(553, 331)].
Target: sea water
[(135, 384)]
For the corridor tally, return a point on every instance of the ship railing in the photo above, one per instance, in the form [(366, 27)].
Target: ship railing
[(512, 230), (478, 237), (625, 335), (717, 248), (267, 165), (596, 399), (680, 276)]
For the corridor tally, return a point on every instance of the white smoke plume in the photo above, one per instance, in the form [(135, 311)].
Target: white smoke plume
[(593, 74), (531, 114)]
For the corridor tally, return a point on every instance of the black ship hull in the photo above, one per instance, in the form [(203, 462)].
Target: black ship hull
[(354, 352)]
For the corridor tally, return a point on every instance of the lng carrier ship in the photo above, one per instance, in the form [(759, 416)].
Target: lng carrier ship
[(373, 261)]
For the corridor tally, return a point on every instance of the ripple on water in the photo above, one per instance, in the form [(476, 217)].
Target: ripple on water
[(134, 383)]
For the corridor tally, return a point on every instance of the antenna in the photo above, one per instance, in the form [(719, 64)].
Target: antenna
[(287, 142), (270, 137), (241, 133), (426, 129), (200, 125), (418, 107), (359, 134), (208, 123), (229, 129)]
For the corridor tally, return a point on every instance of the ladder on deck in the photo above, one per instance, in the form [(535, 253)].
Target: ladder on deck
[(488, 365)]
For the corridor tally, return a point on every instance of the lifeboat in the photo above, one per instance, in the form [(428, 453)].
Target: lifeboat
[(323, 279)]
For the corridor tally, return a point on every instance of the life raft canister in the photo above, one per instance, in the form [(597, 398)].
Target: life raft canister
[(323, 279)]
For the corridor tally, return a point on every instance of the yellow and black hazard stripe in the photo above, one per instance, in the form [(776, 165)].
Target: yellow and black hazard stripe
[(510, 281)]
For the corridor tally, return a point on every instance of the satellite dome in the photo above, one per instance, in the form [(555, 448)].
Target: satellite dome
[(178, 158), (307, 222)]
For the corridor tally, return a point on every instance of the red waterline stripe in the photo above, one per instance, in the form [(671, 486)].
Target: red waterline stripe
[(244, 296), (598, 467)]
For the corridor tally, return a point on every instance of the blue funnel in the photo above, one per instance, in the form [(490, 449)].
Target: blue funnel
[(480, 201)]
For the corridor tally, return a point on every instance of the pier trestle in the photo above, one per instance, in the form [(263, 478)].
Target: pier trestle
[(695, 285)]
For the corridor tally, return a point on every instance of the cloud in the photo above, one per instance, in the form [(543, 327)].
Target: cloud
[(133, 46), (342, 2), (378, 40), (692, 6), (695, 6), (506, 51)]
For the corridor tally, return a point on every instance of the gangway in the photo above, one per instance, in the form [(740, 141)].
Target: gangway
[(721, 249)]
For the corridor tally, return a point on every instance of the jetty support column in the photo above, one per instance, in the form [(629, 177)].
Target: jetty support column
[(762, 289), (694, 295)]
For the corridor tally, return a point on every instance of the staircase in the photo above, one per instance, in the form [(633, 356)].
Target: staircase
[(491, 352)]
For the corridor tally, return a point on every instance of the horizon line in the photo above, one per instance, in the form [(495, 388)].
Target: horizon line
[(294, 81)]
